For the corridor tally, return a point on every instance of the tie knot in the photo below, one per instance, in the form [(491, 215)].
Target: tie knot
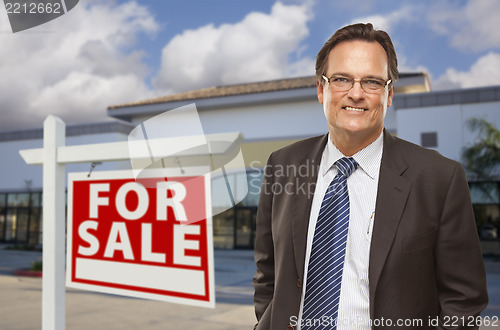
[(346, 166)]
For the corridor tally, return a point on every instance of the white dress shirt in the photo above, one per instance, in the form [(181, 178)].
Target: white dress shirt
[(362, 184)]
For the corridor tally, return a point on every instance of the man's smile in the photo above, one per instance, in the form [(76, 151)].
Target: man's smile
[(355, 109)]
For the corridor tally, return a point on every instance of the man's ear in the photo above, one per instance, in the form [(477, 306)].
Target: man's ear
[(390, 95), (319, 91)]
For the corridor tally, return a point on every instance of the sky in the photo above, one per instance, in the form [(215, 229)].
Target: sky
[(108, 52)]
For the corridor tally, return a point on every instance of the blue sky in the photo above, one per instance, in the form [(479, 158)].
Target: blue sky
[(414, 37), (106, 52)]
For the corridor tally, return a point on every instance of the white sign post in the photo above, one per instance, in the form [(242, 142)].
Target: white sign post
[(54, 156), (53, 292)]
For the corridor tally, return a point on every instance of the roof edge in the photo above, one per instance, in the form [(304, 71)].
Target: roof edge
[(115, 126)]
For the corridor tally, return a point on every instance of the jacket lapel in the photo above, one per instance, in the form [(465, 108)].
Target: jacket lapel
[(302, 200), (393, 191)]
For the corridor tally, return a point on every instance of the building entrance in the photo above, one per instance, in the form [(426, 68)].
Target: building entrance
[(244, 227)]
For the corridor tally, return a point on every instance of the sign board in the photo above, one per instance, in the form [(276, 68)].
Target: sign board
[(149, 238)]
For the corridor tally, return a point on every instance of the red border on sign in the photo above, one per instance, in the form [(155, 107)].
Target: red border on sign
[(125, 245)]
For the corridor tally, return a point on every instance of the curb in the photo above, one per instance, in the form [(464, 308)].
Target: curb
[(27, 273)]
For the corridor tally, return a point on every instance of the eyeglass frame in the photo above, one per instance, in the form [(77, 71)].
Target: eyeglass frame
[(384, 85)]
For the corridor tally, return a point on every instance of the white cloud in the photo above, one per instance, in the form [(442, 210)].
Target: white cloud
[(83, 97), (257, 48), (406, 14), (74, 66), (405, 67), (484, 72), (472, 28)]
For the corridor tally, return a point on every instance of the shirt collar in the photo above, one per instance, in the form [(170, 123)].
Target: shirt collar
[(368, 158)]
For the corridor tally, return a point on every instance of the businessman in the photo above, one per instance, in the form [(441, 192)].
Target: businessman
[(386, 238)]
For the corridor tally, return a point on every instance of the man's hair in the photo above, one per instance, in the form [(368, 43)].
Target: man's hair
[(364, 32)]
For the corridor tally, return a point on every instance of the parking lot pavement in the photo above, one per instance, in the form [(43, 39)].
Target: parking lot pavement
[(21, 309), (20, 301)]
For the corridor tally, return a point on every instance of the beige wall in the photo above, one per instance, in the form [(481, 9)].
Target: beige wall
[(257, 153)]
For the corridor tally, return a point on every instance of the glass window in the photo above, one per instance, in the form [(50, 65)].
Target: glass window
[(14, 200), (223, 224), (24, 199), (488, 220), (2, 224), (33, 226), (254, 179), (245, 227), (22, 225), (429, 140), (10, 225), (3, 200), (35, 199), (40, 228), (487, 214), (484, 192)]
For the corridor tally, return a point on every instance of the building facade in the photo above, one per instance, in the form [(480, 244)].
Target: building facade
[(439, 120)]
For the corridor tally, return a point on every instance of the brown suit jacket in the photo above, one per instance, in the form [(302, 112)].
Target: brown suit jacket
[(425, 258)]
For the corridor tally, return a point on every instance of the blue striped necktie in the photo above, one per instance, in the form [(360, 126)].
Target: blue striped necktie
[(324, 275)]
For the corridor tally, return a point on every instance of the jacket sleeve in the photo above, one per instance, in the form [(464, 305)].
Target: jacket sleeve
[(462, 288), (263, 280)]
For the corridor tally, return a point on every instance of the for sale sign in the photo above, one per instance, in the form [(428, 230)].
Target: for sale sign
[(148, 238)]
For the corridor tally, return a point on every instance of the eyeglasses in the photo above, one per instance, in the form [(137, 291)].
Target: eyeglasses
[(369, 85)]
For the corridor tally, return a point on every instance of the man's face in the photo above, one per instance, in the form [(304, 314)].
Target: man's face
[(355, 113)]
